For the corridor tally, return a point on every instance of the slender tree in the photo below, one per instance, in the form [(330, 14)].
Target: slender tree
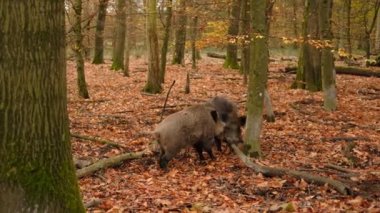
[(119, 44), (36, 170), (348, 6), (153, 84), (257, 77), (99, 33), (328, 71), (369, 24), (193, 43), (244, 32), (79, 49), (128, 35), (165, 42), (233, 30), (180, 34)]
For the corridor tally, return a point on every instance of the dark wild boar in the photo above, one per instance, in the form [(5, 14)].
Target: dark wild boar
[(229, 114), (194, 126)]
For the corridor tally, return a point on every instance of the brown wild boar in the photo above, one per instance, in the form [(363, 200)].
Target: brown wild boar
[(193, 126), (229, 114)]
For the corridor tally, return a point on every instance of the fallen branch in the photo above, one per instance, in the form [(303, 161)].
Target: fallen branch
[(358, 71), (222, 56), (102, 141), (339, 168), (92, 203), (166, 100), (310, 178), (109, 162)]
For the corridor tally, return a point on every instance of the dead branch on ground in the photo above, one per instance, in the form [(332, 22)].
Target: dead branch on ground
[(109, 162), (310, 178), (102, 141)]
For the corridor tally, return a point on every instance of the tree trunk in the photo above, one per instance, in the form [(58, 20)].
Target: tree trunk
[(377, 37), (294, 20), (180, 35), (257, 77), (309, 62), (153, 84), (99, 33), (78, 50), (328, 70), (36, 170), (244, 31), (233, 30), (118, 48), (193, 42), (165, 43), (128, 38), (347, 4)]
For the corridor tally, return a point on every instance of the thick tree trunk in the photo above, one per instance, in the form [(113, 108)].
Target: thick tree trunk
[(165, 43), (118, 48), (257, 77), (377, 37), (36, 170), (78, 50), (153, 84), (193, 43), (328, 70), (233, 30), (180, 35), (244, 31), (309, 63), (99, 39)]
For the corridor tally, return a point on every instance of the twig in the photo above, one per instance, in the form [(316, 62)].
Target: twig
[(338, 168), (102, 141), (166, 100)]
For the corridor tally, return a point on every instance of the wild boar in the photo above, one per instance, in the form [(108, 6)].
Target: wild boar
[(194, 126), (229, 114)]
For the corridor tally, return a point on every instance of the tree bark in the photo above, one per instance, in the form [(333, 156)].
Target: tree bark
[(78, 50), (36, 170), (180, 35), (328, 70), (309, 63), (257, 77), (233, 30), (119, 45), (99, 32), (165, 43), (153, 84)]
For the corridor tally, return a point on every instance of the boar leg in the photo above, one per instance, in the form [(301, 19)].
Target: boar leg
[(208, 149), (164, 159), (199, 148), (218, 143)]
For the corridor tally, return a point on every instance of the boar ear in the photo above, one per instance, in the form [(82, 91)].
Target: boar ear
[(242, 120), (214, 115)]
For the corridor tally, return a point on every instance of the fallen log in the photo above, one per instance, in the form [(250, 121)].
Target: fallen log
[(358, 71), (109, 162), (310, 178), (222, 56), (102, 141)]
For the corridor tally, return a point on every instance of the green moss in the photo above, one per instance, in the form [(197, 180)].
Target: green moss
[(116, 65), (229, 63), (150, 88)]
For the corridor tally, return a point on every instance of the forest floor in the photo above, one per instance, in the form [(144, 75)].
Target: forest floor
[(303, 137)]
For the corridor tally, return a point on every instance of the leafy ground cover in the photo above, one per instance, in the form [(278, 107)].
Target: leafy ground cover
[(304, 137)]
